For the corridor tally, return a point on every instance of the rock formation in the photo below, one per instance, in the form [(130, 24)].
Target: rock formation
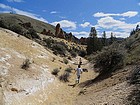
[(61, 34), (57, 30), (44, 32)]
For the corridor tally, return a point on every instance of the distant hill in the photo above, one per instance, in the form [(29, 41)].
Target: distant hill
[(42, 33), (25, 25), (16, 19)]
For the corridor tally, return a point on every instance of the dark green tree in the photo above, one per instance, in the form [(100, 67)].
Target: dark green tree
[(104, 40), (93, 43), (112, 38), (137, 27), (93, 32)]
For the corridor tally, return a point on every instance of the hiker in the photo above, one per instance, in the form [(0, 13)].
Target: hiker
[(78, 72), (80, 61)]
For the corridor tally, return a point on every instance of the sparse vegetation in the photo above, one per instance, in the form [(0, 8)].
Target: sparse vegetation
[(69, 57), (26, 64), (55, 72), (73, 54), (65, 61), (33, 34), (134, 97), (2, 24), (59, 49), (16, 28), (64, 77), (49, 42), (69, 70), (110, 59), (53, 59), (135, 76), (82, 53)]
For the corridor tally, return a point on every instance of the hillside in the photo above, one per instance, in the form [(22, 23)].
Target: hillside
[(15, 19), (35, 85), (118, 81), (43, 33)]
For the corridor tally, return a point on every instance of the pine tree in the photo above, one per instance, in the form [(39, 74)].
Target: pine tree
[(112, 39), (93, 43), (104, 40), (93, 32)]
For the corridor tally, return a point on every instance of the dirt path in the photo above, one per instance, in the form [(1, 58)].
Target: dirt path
[(68, 92), (111, 91)]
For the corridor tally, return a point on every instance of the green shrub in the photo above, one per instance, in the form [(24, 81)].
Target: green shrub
[(55, 72), (64, 77), (49, 42), (82, 53), (58, 49), (63, 44), (68, 69), (65, 61), (2, 24), (109, 60), (73, 53), (33, 33), (69, 57), (134, 97), (135, 76), (26, 64), (16, 28)]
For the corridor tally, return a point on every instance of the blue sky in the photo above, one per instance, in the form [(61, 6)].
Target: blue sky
[(78, 16)]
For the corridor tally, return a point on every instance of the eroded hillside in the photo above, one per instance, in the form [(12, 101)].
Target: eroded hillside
[(17, 83), (35, 85)]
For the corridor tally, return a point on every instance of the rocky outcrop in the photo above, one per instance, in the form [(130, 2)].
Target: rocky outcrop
[(57, 30), (44, 32), (70, 36), (61, 34)]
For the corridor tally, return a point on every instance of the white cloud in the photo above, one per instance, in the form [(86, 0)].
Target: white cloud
[(8, 8), (139, 3), (3, 6), (81, 34), (53, 12), (86, 24), (15, 0), (66, 24), (129, 14), (111, 23), (125, 14), (120, 28)]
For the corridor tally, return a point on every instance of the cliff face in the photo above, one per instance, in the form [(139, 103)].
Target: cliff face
[(24, 86)]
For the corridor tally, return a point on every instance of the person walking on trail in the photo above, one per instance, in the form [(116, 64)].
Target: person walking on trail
[(78, 72), (80, 61)]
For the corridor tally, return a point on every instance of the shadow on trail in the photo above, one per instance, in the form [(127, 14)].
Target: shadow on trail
[(97, 79)]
